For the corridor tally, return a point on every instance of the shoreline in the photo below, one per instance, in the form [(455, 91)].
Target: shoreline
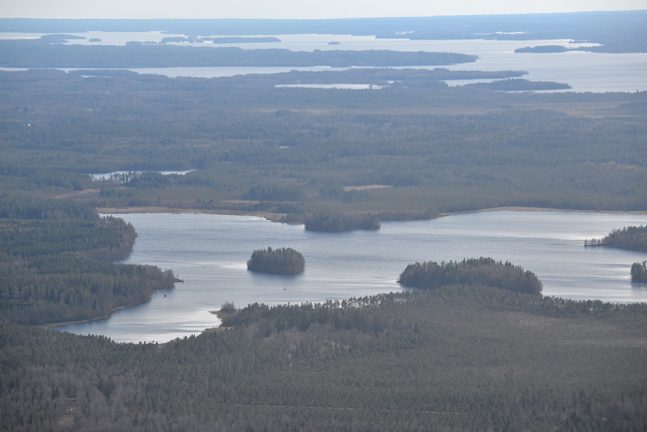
[(279, 217), (270, 216), (52, 326)]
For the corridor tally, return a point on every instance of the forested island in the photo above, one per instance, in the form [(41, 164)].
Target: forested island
[(629, 238), (473, 271), (282, 261)]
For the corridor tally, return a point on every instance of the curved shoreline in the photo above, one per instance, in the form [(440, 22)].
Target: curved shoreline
[(99, 318)]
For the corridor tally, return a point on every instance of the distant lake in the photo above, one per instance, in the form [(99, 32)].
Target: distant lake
[(210, 252), (584, 71)]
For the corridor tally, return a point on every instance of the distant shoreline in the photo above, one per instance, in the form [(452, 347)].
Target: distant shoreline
[(273, 217), (278, 217)]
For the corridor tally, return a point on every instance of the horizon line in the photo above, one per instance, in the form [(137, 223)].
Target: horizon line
[(325, 18)]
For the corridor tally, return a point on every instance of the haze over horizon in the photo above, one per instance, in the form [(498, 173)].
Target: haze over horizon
[(295, 9)]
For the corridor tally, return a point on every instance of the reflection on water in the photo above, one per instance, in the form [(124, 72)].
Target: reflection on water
[(210, 251)]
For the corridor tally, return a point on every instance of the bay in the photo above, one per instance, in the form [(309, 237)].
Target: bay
[(209, 252)]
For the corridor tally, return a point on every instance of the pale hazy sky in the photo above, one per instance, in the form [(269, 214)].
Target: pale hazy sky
[(294, 8)]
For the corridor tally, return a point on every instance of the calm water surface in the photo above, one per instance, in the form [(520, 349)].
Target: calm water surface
[(584, 71), (210, 252)]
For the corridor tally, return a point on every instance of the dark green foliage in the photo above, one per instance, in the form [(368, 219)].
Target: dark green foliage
[(639, 272), (274, 193), (56, 263), (284, 261), (630, 238), (474, 271), (442, 149), (338, 222), (455, 358)]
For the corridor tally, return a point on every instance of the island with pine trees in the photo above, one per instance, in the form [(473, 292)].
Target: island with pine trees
[(282, 261)]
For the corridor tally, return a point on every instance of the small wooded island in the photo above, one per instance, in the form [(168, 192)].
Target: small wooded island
[(629, 238), (639, 272), (473, 271), (283, 261), (632, 238)]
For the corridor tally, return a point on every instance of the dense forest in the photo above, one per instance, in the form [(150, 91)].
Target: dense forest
[(472, 271), (639, 272), (56, 263), (338, 222), (282, 261), (630, 238), (454, 358), (420, 147)]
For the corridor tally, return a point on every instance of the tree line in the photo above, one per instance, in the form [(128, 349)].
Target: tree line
[(484, 271), (57, 263), (285, 261)]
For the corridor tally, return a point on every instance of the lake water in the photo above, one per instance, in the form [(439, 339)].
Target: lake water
[(210, 252), (584, 71)]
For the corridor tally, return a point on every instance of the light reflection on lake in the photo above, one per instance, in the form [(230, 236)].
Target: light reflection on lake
[(210, 251)]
